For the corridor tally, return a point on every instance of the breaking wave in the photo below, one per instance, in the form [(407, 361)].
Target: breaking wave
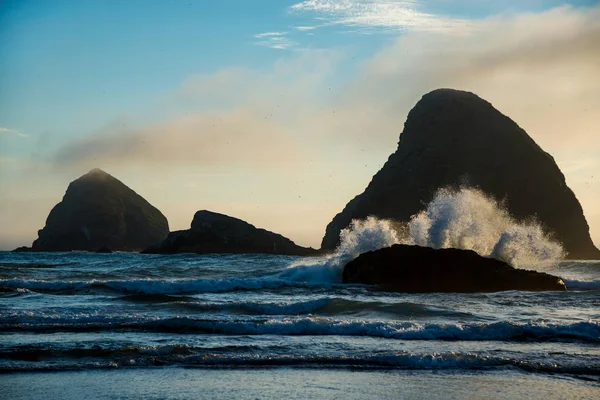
[(464, 219), (468, 219), (158, 286), (313, 326), (188, 356), (361, 236)]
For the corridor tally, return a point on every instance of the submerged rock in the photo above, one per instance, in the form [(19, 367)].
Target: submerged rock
[(99, 211), (452, 139), (104, 250), (415, 269), (211, 232)]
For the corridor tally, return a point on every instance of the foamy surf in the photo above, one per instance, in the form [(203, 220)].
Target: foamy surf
[(464, 219), (314, 326), (468, 219), (187, 356)]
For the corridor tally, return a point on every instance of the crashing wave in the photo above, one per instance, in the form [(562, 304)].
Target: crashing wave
[(464, 219), (468, 219)]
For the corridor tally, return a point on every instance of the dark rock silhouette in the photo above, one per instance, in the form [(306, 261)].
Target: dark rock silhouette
[(100, 211), (22, 249), (453, 138), (104, 250), (217, 233), (415, 269)]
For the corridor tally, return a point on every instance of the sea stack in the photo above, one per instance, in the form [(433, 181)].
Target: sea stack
[(100, 212), (415, 269), (453, 138), (212, 232)]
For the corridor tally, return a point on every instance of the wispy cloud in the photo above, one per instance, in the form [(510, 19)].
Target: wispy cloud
[(14, 132), (305, 28), (378, 14), (274, 40), (205, 139), (236, 118), (269, 34)]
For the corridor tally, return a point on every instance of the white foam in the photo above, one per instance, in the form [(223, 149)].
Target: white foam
[(464, 219), (313, 326), (360, 237), (468, 219)]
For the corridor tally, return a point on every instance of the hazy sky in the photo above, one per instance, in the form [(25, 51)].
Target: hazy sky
[(277, 112)]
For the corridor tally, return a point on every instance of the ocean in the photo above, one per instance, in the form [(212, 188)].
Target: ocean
[(124, 325)]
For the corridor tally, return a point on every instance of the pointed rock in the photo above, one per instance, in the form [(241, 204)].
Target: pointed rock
[(452, 138), (99, 211)]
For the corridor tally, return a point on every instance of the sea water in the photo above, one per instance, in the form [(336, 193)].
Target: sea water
[(236, 314), (122, 325)]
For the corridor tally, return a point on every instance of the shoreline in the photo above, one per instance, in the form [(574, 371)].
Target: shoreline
[(300, 383)]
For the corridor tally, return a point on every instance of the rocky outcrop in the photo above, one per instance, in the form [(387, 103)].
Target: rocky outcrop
[(22, 249), (99, 211), (453, 138), (217, 233), (415, 269)]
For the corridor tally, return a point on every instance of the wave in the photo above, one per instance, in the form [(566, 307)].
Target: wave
[(468, 219), (464, 219), (258, 308), (7, 292), (360, 237), (321, 306), (186, 356), (573, 284), (159, 286), (153, 298), (20, 265), (309, 326)]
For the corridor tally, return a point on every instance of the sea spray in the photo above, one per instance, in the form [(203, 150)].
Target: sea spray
[(464, 219), (468, 219), (360, 237)]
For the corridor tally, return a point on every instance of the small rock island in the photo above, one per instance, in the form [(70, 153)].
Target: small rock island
[(212, 232), (415, 269)]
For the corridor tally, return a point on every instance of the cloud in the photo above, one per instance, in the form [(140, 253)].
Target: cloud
[(12, 132), (239, 138), (275, 40), (234, 118), (269, 34), (305, 28), (543, 70), (378, 14)]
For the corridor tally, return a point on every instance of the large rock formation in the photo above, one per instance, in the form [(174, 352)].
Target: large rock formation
[(453, 138), (415, 269), (217, 233), (99, 211)]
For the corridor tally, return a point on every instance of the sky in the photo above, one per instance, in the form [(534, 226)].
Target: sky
[(273, 111)]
